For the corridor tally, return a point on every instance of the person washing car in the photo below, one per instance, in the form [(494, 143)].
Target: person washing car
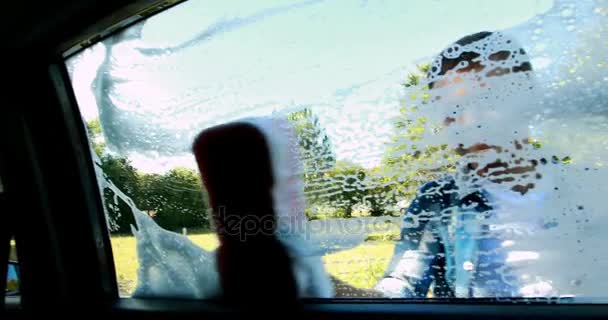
[(448, 245)]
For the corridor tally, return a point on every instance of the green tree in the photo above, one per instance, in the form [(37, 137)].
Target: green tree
[(121, 173), (124, 177), (346, 186), (316, 152), (94, 134), (341, 185), (404, 165), (175, 199), (414, 79), (379, 192)]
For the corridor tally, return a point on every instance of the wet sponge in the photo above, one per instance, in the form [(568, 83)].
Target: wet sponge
[(236, 169)]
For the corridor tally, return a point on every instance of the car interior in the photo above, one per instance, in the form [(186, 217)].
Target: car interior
[(88, 195)]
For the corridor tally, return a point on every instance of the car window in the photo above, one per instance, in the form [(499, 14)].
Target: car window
[(12, 274), (447, 149)]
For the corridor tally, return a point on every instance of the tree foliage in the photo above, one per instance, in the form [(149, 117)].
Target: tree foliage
[(174, 199), (405, 165), (316, 152)]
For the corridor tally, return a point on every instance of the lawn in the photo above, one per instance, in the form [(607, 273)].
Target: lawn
[(360, 266)]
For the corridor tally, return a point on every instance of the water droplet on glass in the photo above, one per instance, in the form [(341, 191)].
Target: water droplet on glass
[(566, 13)]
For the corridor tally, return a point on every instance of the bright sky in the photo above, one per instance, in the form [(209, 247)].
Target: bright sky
[(343, 58)]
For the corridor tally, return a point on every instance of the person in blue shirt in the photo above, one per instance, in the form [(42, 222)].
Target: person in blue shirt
[(446, 248)]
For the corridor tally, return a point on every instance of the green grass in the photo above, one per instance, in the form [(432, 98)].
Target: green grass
[(12, 285), (389, 235), (125, 258), (360, 266)]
